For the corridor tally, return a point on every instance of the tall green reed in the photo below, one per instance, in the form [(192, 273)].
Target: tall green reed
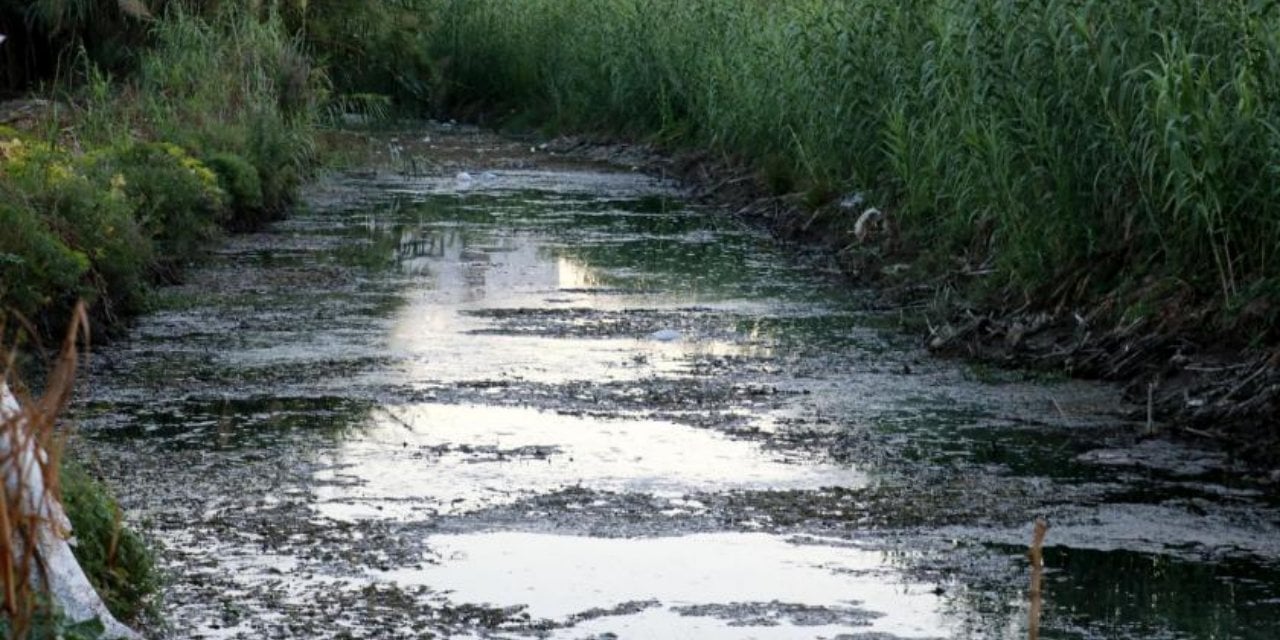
[(1076, 146)]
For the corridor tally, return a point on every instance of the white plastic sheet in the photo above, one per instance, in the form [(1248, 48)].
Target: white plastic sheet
[(69, 588)]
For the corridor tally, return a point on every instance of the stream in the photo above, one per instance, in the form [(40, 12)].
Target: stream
[(553, 399)]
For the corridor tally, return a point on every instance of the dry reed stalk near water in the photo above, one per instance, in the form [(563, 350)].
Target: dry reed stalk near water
[(1036, 554), (37, 566)]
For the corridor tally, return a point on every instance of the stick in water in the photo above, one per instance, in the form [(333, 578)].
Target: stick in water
[(1036, 554)]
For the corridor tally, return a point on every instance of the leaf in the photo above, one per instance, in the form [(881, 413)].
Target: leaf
[(91, 629)]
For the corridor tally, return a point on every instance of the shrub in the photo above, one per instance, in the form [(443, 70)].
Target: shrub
[(240, 181), (235, 83), (174, 197), (90, 218), (279, 156), (132, 203), (35, 265)]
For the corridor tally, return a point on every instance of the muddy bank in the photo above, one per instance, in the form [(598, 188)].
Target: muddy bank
[(477, 391), (1184, 382)]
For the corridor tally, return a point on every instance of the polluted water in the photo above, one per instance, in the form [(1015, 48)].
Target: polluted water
[(519, 396)]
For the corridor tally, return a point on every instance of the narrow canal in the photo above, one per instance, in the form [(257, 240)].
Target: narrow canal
[(542, 399)]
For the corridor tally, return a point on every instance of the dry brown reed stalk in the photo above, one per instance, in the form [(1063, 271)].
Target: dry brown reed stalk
[(30, 452), (1036, 554)]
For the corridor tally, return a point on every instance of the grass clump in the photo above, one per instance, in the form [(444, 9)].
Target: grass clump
[(115, 558), (1076, 147), (239, 180), (75, 234), (232, 83), (375, 52)]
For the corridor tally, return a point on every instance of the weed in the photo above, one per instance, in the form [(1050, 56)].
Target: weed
[(124, 197), (115, 558), (1073, 145), (239, 179), (174, 197)]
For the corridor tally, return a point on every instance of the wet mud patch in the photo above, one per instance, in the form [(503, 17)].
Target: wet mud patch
[(748, 332), (774, 613)]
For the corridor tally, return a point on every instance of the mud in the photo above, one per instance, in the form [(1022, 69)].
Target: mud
[(549, 399)]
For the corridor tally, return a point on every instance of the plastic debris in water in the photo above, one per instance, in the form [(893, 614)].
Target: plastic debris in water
[(665, 335), (488, 176), (867, 223), (464, 178), (24, 481)]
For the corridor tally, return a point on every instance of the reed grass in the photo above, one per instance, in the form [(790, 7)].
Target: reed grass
[(1076, 147)]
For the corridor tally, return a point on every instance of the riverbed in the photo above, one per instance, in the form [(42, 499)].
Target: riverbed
[(475, 390)]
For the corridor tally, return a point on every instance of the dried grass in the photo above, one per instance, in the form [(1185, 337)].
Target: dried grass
[(30, 458)]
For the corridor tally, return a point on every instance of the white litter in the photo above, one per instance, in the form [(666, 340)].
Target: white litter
[(68, 586)]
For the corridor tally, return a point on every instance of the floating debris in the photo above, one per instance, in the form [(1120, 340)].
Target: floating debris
[(666, 335)]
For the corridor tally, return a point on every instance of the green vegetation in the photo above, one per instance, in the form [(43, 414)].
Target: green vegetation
[(115, 558), (45, 34), (77, 235), (162, 128), (211, 127), (52, 624), (1076, 147), (375, 52)]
